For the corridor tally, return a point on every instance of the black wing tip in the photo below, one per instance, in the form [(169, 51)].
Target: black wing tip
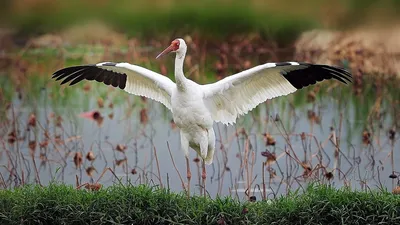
[(341, 73), (311, 73), (75, 74), (335, 71), (69, 69)]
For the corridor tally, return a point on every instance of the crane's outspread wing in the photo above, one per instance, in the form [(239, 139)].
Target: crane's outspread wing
[(237, 94), (130, 78)]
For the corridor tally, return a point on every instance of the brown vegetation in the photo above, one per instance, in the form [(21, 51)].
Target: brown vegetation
[(374, 51)]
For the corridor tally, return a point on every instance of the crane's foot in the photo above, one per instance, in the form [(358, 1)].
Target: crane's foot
[(203, 177), (188, 175)]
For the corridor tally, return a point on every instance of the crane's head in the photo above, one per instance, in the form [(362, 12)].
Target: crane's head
[(178, 45)]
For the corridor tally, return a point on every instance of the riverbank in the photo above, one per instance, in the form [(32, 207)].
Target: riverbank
[(318, 204)]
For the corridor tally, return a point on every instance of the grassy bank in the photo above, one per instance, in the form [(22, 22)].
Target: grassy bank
[(275, 19), (60, 204), (210, 18)]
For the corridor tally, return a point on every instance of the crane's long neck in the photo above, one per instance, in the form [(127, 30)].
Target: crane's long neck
[(180, 78)]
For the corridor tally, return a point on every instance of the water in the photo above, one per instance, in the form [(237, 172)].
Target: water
[(301, 128)]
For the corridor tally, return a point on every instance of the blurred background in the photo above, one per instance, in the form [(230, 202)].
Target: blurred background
[(340, 134), (221, 17), (269, 30)]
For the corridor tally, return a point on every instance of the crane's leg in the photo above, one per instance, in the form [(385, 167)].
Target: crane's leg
[(185, 149), (203, 177), (188, 175), (203, 151)]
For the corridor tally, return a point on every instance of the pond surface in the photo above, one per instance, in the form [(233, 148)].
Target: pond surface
[(324, 133)]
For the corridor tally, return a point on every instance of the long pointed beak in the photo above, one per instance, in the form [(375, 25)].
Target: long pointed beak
[(166, 51)]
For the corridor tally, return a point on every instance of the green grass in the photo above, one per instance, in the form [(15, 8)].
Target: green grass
[(319, 204), (280, 20), (137, 18)]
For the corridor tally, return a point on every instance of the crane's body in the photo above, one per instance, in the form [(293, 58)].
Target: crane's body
[(194, 120), (196, 107)]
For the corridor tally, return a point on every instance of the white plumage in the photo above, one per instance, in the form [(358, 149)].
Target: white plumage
[(240, 93), (144, 82), (195, 107)]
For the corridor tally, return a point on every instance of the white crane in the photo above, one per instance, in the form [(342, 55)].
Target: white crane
[(195, 107)]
